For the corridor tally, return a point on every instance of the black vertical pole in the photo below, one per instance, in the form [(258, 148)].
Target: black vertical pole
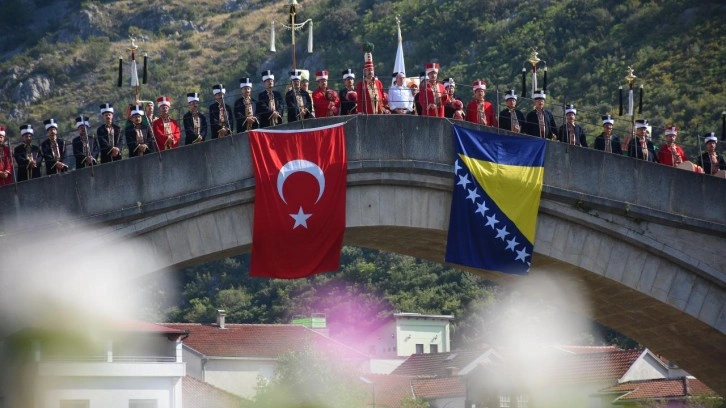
[(120, 71)]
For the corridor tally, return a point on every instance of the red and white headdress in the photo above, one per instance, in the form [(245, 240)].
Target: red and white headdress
[(432, 67), (163, 100), (479, 84)]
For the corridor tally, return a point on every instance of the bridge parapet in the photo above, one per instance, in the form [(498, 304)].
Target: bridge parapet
[(647, 242), (134, 187)]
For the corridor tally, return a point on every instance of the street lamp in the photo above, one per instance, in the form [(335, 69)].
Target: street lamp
[(293, 26)]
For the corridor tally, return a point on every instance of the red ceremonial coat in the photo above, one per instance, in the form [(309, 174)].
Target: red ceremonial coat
[(6, 164), (472, 113), (365, 102), (428, 98), (665, 156), (321, 103), (160, 136)]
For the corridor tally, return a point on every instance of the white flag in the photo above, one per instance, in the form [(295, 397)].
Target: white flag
[(399, 65), (630, 102), (134, 72)]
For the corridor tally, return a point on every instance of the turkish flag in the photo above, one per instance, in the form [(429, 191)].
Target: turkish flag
[(299, 219)]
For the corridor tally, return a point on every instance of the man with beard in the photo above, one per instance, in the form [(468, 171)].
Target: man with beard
[(325, 105), (27, 155), (511, 118), (607, 141), (670, 153), (370, 89), (299, 104), (539, 121), (710, 161), (433, 95), (572, 132), (53, 149), (450, 107), (245, 108), (640, 147), (109, 136), (85, 146), (479, 110), (269, 102), (139, 138), (166, 130), (195, 123), (347, 106), (220, 114)]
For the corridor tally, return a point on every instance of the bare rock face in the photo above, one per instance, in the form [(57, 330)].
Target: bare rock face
[(32, 89), (87, 22)]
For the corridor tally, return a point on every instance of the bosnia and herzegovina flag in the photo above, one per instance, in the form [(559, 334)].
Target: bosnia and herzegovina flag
[(497, 187)]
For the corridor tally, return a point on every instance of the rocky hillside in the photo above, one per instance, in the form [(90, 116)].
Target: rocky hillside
[(65, 61)]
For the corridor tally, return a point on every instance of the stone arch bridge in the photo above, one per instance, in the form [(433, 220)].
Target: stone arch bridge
[(645, 243)]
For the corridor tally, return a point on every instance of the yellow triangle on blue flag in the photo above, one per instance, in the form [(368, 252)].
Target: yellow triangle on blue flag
[(495, 200), (515, 189)]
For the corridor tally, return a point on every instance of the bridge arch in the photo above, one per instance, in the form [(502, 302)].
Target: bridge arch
[(643, 241)]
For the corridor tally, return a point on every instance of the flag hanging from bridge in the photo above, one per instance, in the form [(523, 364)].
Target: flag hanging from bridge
[(300, 186), (497, 187)]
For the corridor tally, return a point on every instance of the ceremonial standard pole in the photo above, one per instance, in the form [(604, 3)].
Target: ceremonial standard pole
[(630, 78), (293, 26)]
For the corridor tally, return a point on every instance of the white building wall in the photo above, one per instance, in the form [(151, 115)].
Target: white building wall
[(384, 365), (425, 332), (382, 342), (238, 377), (109, 392), (645, 368), (194, 364)]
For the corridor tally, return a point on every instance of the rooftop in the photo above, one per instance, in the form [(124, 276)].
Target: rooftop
[(599, 366), (437, 364), (258, 340), (424, 316), (660, 389)]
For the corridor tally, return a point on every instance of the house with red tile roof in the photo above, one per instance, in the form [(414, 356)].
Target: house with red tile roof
[(233, 357), (441, 365), (680, 392), (570, 376), (390, 390), (88, 363), (441, 378)]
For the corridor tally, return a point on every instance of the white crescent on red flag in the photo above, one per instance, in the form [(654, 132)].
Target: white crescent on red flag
[(300, 187)]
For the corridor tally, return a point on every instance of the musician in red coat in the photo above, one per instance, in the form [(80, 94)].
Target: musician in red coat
[(433, 95), (166, 130), (322, 102), (670, 153), (479, 110), (6, 161), (370, 93)]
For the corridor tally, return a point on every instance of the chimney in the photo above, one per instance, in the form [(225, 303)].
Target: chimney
[(452, 371), (220, 318)]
